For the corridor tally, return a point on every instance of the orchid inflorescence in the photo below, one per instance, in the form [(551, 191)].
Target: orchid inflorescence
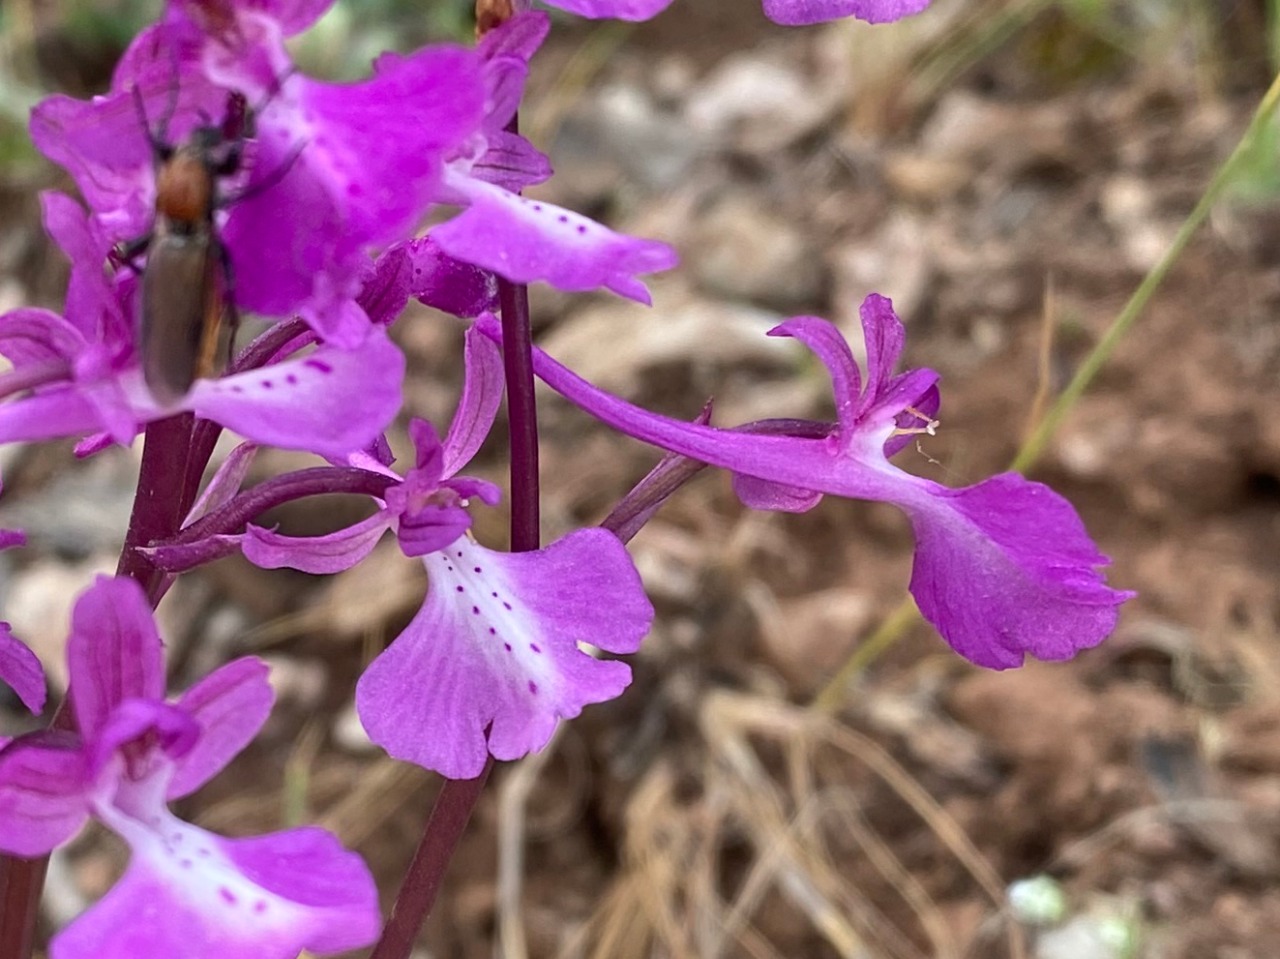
[(322, 238)]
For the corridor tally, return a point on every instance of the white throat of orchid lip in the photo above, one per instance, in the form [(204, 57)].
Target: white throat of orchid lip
[(191, 864), (474, 582)]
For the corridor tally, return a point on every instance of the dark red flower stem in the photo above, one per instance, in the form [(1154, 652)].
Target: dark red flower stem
[(163, 498), (458, 797), (21, 881)]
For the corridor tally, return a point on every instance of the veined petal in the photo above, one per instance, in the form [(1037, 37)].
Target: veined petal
[(527, 240), (330, 553), (885, 336), (230, 705), (43, 792), (190, 893), (21, 669), (830, 347), (793, 13), (225, 484), (418, 269), (482, 385), (1005, 568), (167, 732), (114, 652), (33, 335), (496, 644)]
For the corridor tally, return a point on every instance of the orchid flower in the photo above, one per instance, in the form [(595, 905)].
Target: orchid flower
[(84, 374), (493, 659), (521, 239), (186, 891), (1002, 569)]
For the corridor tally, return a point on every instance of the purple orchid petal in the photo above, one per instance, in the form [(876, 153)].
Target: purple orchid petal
[(428, 529), (527, 240), (794, 13), (190, 893), (230, 705), (762, 494), (363, 162), (448, 284), (518, 39), (44, 785), (985, 578), (511, 162), (613, 9), (225, 484), (91, 303), (30, 335), (505, 52), (885, 338), (331, 553), (483, 383), (1007, 567), (164, 731), (44, 416), (104, 144), (830, 347), (330, 402), (20, 668), (496, 645), (114, 652)]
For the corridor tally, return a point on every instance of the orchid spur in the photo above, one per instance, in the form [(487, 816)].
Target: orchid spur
[(1002, 569)]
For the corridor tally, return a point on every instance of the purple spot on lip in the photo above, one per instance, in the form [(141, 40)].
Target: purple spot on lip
[(291, 379), (227, 895), (506, 605), (475, 610), (320, 365), (534, 647), (237, 389), (476, 569), (581, 229), (563, 218), (460, 589), (538, 207), (533, 687), (260, 906), (459, 554), (507, 647), (266, 384)]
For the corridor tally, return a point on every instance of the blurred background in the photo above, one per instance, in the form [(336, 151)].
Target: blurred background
[(1007, 171)]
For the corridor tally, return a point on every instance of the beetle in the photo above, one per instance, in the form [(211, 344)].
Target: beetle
[(187, 282)]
